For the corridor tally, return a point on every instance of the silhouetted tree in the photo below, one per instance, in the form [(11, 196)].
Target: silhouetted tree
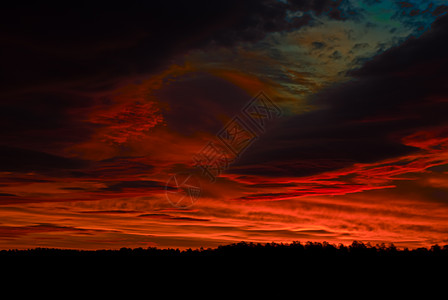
[(287, 253)]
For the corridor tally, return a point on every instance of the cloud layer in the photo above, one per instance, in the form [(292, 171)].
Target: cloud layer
[(101, 103)]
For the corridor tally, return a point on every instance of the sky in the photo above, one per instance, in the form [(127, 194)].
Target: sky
[(107, 109)]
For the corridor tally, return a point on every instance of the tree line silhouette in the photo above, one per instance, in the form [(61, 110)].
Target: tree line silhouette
[(250, 250)]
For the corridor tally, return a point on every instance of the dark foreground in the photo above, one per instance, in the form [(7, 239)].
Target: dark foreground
[(245, 250), (293, 266)]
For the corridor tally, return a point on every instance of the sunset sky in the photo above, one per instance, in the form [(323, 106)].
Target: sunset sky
[(101, 104)]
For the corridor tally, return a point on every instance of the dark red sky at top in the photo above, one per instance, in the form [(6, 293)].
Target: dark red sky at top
[(101, 104)]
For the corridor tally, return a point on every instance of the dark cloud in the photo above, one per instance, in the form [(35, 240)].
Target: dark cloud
[(44, 120), (359, 46), (170, 217), (413, 17), (335, 9), (372, 2), (137, 184), (404, 4), (62, 42), (23, 160), (23, 180), (419, 190), (198, 100), (7, 195), (117, 168), (439, 10), (362, 120), (74, 188), (306, 190), (107, 212), (59, 59), (414, 12), (271, 185), (335, 55), (318, 45), (11, 232)]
